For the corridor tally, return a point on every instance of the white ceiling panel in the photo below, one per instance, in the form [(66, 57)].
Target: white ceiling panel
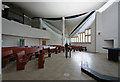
[(57, 9)]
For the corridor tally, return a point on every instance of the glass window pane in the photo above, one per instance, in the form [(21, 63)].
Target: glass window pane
[(79, 37), (89, 31), (85, 32), (89, 38), (83, 37), (73, 39), (86, 39)]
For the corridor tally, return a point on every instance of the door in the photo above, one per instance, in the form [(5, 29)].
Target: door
[(43, 42)]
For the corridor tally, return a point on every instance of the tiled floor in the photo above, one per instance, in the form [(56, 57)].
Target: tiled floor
[(99, 63), (59, 68)]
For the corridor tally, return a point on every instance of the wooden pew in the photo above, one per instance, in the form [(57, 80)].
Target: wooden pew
[(31, 52), (7, 55), (46, 51), (41, 59), (59, 48), (21, 60), (62, 48), (28, 53), (80, 48)]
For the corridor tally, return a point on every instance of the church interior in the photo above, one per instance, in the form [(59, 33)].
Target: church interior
[(60, 40)]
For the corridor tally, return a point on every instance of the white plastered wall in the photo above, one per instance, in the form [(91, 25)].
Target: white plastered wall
[(13, 31), (90, 46), (9, 41), (119, 24), (107, 26), (55, 38), (90, 23)]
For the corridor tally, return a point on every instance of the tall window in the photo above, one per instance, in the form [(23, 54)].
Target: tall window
[(88, 35), (83, 37)]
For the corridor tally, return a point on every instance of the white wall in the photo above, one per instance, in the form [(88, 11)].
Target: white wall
[(10, 41), (90, 23), (55, 38), (107, 25), (90, 46), (17, 29), (13, 31), (119, 24)]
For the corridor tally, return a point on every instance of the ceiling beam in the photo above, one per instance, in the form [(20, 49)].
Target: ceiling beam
[(75, 15), (53, 18), (82, 21), (60, 18)]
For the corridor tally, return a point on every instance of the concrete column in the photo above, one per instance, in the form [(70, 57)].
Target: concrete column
[(0, 38), (63, 31), (41, 23), (118, 24)]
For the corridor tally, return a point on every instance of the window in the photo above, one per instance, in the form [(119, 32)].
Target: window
[(88, 35), (83, 37)]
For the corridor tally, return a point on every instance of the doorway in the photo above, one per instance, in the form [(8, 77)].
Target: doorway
[(43, 42)]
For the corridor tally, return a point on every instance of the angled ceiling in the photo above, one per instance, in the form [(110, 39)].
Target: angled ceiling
[(55, 23), (57, 9), (72, 23)]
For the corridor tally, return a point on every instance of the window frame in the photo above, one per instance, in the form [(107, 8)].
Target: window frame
[(83, 37)]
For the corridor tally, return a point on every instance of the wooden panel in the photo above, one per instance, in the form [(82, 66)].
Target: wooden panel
[(43, 42), (43, 28)]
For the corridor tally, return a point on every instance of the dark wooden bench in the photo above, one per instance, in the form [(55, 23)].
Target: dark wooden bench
[(58, 48), (80, 48), (41, 59), (46, 52), (21, 60), (7, 55), (62, 48), (31, 52)]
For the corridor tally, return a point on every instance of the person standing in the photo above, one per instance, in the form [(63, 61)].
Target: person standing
[(66, 50)]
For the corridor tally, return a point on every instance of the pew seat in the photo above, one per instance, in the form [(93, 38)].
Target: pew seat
[(7, 55), (21, 60), (41, 59)]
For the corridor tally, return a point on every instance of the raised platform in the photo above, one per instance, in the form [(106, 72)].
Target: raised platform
[(97, 76)]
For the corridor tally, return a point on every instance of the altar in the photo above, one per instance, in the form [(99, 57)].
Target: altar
[(113, 53)]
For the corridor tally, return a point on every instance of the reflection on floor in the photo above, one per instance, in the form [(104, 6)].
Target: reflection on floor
[(99, 63), (59, 68)]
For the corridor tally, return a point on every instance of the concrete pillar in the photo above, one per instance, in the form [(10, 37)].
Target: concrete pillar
[(0, 39), (63, 31), (40, 23), (118, 24)]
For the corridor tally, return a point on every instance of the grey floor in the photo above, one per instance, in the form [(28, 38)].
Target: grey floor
[(59, 68)]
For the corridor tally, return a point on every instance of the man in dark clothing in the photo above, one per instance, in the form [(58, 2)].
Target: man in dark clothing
[(66, 49)]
